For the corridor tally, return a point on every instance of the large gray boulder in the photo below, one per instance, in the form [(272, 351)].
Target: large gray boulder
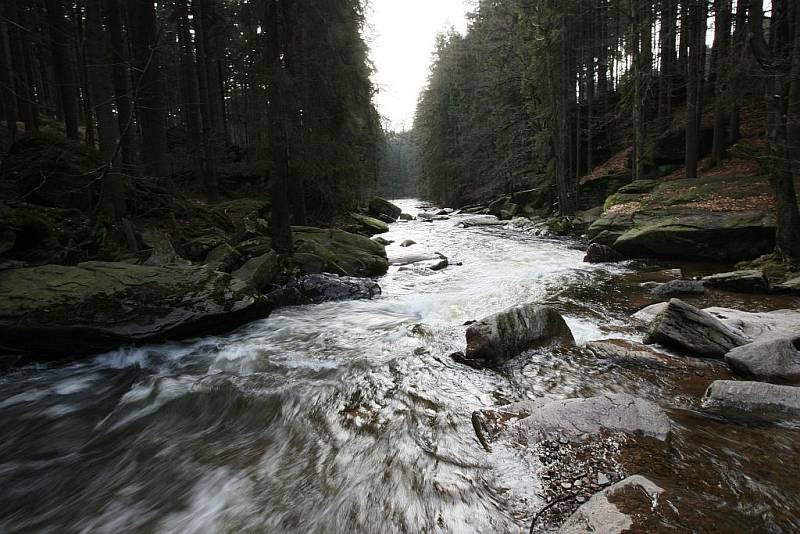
[(679, 287), (773, 360), (688, 329), (759, 326), (504, 335), (56, 311), (483, 220), (598, 253), (599, 514), (337, 252), (260, 272), (578, 418), (380, 206), (759, 399), (752, 281)]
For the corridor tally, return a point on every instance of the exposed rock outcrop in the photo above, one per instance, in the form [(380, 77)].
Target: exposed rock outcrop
[(338, 252), (57, 311)]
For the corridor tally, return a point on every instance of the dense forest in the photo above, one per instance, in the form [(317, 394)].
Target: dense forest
[(216, 96), (541, 93)]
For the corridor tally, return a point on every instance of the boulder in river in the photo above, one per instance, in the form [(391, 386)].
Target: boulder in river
[(53, 311), (368, 225), (597, 253), (601, 514), (380, 206), (260, 272), (752, 281), (578, 418), (504, 335), (679, 287), (408, 243), (630, 353), (773, 360), (406, 217), (318, 288), (759, 399), (485, 220), (688, 329), (338, 252)]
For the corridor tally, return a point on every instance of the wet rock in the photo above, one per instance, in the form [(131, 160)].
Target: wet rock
[(648, 314), (758, 399), (368, 225), (444, 211), (413, 257), (426, 216), (775, 360), (408, 243), (485, 220), (406, 217), (752, 281), (792, 285), (317, 288), (260, 272), (381, 241), (223, 258), (600, 514), (161, 250), (597, 253), (440, 265), (759, 326), (626, 352), (381, 206), (199, 247), (584, 219), (94, 307), (691, 330), (340, 252), (504, 335), (577, 418), (679, 287)]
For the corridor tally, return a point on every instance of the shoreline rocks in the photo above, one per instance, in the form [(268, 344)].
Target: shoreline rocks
[(56, 311), (757, 399), (771, 360), (380, 206)]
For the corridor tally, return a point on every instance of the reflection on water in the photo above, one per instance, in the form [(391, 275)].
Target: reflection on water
[(349, 417)]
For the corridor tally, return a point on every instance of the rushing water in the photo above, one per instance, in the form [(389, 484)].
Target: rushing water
[(351, 417)]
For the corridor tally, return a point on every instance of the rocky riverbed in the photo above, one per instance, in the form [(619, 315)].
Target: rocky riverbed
[(354, 416)]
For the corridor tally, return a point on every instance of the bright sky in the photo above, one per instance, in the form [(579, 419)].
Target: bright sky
[(402, 34)]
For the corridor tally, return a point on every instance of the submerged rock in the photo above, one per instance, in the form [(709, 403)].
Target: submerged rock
[(775, 360), (317, 288), (338, 252), (597, 253), (53, 311), (626, 352), (408, 243), (740, 281), (406, 217), (504, 335), (382, 241), (600, 514), (759, 399), (689, 329), (381, 206), (579, 418)]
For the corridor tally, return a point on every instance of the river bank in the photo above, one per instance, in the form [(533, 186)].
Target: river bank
[(351, 416)]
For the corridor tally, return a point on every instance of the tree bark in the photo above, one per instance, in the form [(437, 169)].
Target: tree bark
[(206, 105), (7, 77), (66, 81), (149, 92), (696, 15), (279, 132), (721, 80), (122, 87)]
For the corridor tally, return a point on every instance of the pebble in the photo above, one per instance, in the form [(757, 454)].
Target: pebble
[(566, 485), (603, 480)]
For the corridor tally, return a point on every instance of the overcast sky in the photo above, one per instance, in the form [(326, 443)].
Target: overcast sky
[(402, 34)]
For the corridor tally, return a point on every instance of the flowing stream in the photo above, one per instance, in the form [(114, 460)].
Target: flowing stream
[(352, 417)]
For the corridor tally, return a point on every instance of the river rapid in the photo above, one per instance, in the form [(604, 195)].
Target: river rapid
[(352, 417)]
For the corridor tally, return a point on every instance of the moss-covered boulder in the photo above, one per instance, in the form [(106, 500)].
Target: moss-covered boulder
[(367, 225), (339, 252), (715, 219), (57, 311), (50, 170)]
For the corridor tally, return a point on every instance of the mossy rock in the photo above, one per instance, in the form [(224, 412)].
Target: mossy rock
[(343, 253), (561, 226), (50, 170), (368, 225), (53, 311)]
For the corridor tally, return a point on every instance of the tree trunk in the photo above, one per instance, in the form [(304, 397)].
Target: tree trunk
[(149, 91), (206, 105), (721, 80), (66, 82), (190, 93), (101, 82), (279, 139), (7, 77), (696, 15), (122, 87), (18, 35)]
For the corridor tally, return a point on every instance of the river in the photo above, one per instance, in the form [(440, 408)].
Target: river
[(352, 417)]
